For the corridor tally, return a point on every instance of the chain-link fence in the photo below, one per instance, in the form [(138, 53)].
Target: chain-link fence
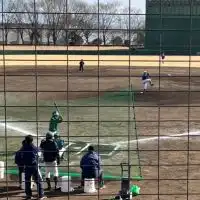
[(119, 77)]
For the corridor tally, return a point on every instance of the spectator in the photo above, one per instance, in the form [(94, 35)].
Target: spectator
[(51, 158), (91, 167), (20, 164), (30, 159)]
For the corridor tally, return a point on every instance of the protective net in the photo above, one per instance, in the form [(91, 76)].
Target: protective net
[(120, 76)]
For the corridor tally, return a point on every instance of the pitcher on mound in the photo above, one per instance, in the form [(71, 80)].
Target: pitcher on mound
[(146, 80)]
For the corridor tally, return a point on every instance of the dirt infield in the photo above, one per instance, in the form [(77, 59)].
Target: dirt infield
[(171, 166), (101, 61)]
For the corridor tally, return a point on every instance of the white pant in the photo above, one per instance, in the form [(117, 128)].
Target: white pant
[(146, 83), (51, 167), (62, 151)]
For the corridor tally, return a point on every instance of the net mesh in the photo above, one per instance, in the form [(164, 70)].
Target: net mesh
[(103, 103)]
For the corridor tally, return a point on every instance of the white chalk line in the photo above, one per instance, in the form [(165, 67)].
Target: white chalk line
[(170, 137), (14, 128), (143, 140)]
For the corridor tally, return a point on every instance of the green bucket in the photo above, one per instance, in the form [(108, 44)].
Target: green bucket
[(135, 190)]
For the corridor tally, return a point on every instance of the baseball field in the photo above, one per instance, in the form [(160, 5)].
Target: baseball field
[(163, 112)]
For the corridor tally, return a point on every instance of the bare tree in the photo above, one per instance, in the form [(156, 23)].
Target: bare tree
[(132, 25), (19, 19), (117, 41), (140, 38), (34, 27), (97, 41), (54, 19), (83, 20), (7, 19), (106, 21)]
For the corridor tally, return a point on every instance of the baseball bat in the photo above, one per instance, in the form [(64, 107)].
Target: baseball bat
[(56, 107)]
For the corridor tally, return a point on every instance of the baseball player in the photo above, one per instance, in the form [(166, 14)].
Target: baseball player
[(146, 80), (51, 158), (54, 121), (60, 143), (163, 57), (81, 65)]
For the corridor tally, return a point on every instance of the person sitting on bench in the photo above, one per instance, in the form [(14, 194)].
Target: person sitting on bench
[(91, 167)]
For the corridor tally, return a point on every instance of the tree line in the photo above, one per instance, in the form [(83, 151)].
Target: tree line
[(76, 22)]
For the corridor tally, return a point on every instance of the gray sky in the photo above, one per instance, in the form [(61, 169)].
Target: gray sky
[(140, 4)]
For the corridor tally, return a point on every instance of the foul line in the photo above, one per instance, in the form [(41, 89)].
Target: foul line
[(83, 149), (7, 126), (170, 137)]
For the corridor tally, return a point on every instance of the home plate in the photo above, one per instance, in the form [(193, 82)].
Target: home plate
[(77, 148)]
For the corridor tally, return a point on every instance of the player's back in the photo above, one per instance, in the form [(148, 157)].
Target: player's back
[(50, 150)]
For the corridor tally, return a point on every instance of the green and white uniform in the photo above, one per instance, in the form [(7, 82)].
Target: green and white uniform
[(54, 121)]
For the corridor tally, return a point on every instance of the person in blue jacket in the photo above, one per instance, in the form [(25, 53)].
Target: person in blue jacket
[(20, 164), (29, 154), (91, 167), (146, 80)]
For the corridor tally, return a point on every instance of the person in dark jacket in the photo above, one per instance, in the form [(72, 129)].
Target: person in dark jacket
[(51, 158), (91, 167), (20, 164), (30, 159)]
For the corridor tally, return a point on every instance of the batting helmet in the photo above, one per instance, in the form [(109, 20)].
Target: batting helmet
[(55, 113), (49, 135)]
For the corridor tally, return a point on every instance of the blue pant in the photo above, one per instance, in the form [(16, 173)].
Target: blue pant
[(21, 170), (33, 171)]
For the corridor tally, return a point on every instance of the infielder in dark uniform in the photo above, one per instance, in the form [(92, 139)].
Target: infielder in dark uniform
[(81, 66), (163, 57), (30, 159)]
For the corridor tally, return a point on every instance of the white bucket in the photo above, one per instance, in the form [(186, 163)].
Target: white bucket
[(23, 182), (89, 185), (66, 184), (2, 169)]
